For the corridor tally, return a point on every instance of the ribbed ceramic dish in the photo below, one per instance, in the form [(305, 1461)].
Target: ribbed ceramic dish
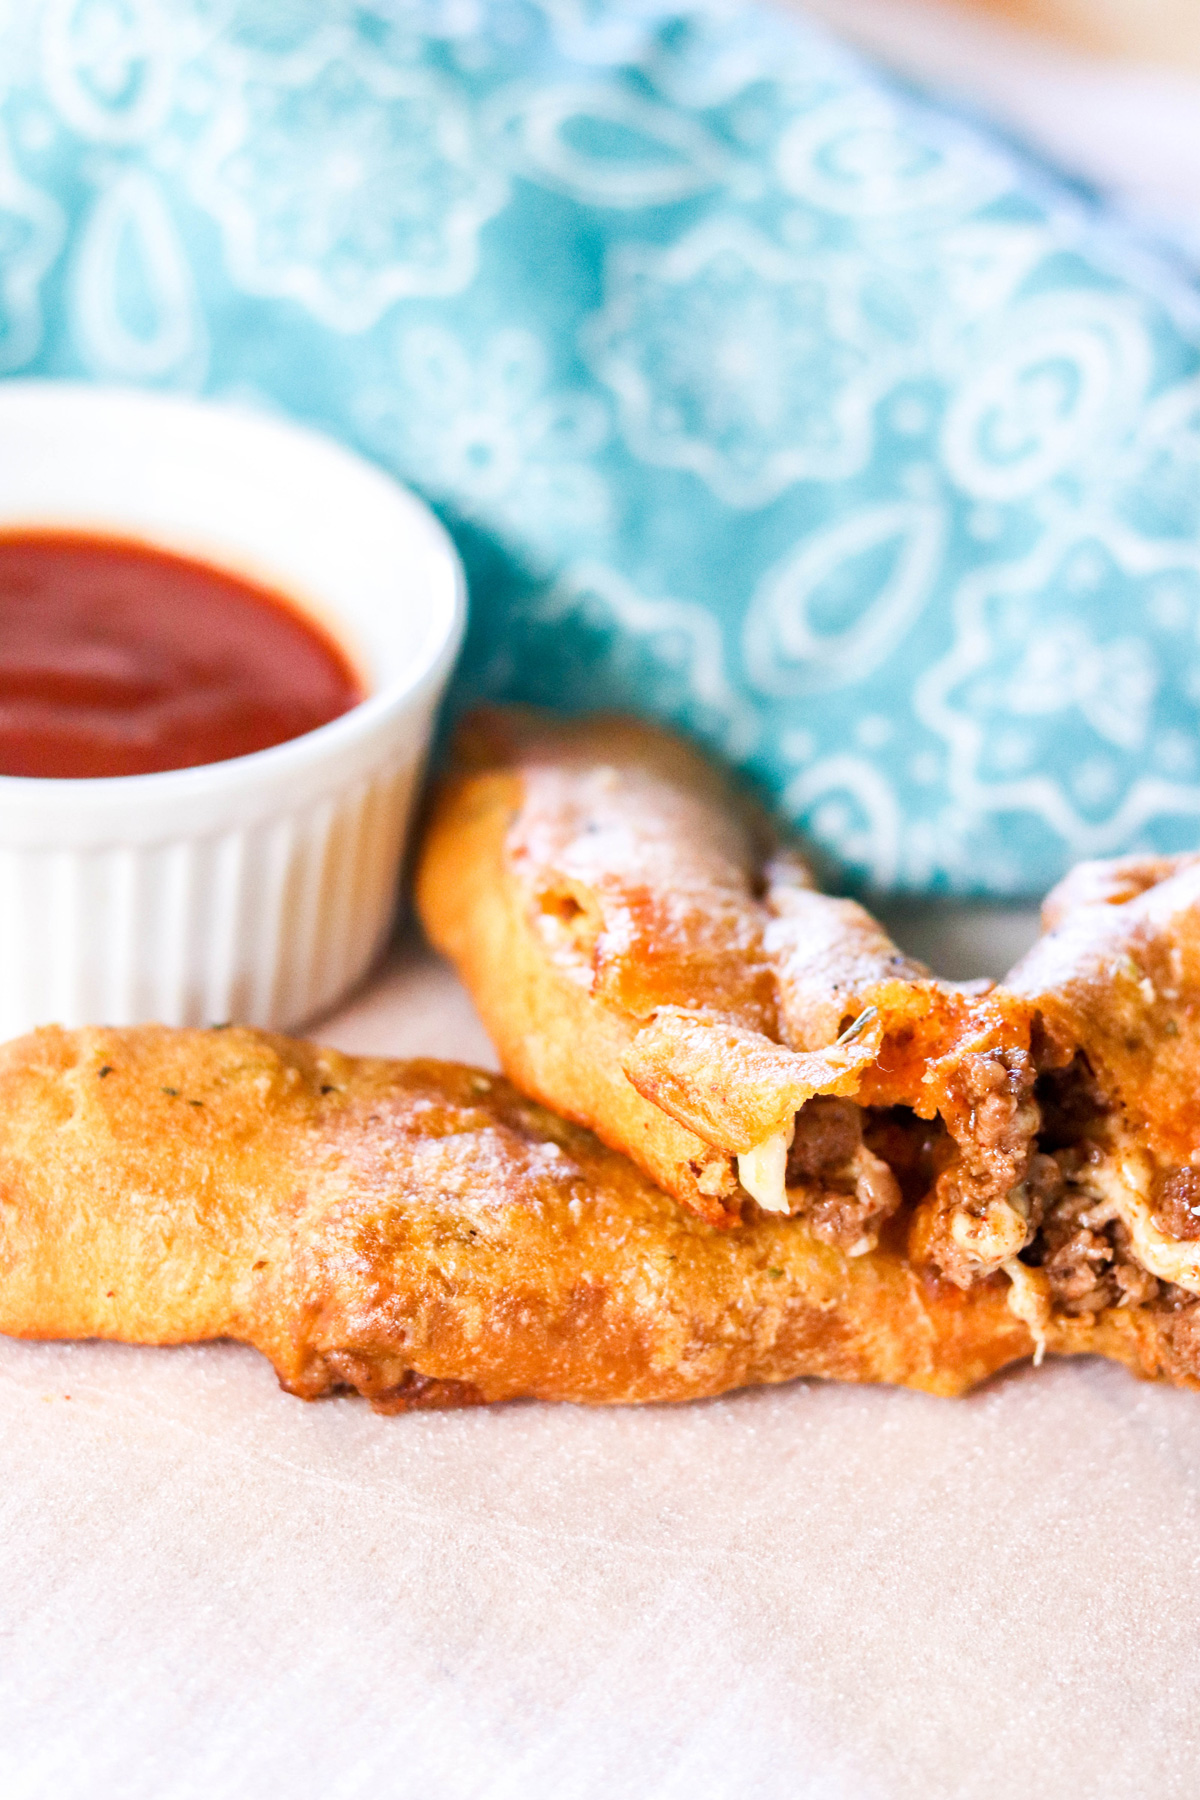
[(261, 888)]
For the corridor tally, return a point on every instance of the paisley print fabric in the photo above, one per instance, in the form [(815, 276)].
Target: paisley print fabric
[(759, 392)]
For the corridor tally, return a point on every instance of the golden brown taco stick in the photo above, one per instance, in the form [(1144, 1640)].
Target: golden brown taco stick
[(578, 882), (651, 960), (418, 1232)]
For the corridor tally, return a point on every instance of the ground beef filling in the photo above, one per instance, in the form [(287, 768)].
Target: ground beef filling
[(1083, 1248), (985, 1200), (1177, 1204), (998, 1087), (850, 1169), (1178, 1319), (843, 1189), (1084, 1251)]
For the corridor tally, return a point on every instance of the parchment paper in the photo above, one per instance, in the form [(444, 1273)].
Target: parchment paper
[(213, 1591)]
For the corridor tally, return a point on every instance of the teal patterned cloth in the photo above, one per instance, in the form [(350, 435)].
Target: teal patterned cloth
[(760, 393)]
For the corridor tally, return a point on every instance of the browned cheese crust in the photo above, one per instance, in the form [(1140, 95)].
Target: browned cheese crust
[(651, 960), (418, 1232)]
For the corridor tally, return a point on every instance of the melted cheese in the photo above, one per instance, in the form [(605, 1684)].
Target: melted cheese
[(763, 1173), (875, 1185), (1123, 1182), (1029, 1299), (763, 1170), (993, 1237)]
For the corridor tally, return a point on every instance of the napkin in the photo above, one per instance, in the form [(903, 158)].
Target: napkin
[(761, 392)]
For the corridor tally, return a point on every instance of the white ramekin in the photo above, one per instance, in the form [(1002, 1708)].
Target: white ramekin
[(258, 889)]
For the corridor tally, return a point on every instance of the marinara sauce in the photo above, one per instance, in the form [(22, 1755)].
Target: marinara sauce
[(120, 659)]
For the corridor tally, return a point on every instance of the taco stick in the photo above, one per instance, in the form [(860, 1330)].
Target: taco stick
[(420, 1233)]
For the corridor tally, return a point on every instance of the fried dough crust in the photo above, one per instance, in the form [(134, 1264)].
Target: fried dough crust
[(1116, 975), (651, 960), (418, 1232), (579, 880), (1115, 982)]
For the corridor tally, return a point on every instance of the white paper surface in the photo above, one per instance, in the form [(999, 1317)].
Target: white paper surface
[(211, 1591)]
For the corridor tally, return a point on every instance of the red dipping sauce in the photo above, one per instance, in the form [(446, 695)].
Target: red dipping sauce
[(119, 659)]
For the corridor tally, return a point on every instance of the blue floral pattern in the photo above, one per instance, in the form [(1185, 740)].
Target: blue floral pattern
[(347, 184), (1089, 638), (493, 438), (738, 361), (761, 393), (32, 229)]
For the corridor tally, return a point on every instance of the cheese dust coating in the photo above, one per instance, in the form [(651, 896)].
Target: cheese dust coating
[(418, 1232)]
